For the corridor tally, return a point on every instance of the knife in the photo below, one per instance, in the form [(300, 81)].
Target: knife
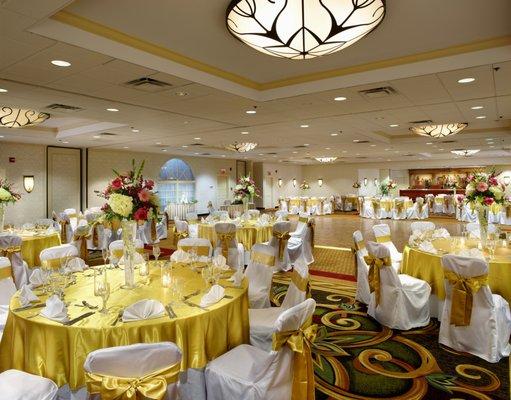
[(189, 296), (190, 304), (79, 318), (29, 307), (170, 312)]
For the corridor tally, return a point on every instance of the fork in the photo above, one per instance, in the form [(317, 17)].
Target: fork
[(119, 316)]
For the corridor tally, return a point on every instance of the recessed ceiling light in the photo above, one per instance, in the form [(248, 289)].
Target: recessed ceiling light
[(476, 108), (97, 137), (157, 143), (125, 147), (429, 143), (196, 154), (396, 151), (295, 152), (327, 148), (61, 63), (334, 134), (2, 90), (196, 138), (112, 109), (306, 144), (181, 94), (184, 146), (387, 149), (389, 160), (340, 98), (489, 138), (245, 133), (373, 145), (466, 80), (2, 136), (356, 140), (135, 130), (481, 117), (223, 155), (357, 154), (304, 126), (251, 111), (394, 125), (163, 149), (441, 149), (65, 142), (345, 151)]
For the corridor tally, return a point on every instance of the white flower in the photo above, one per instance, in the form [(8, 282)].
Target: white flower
[(497, 192), (470, 189), (238, 187), (121, 204), (5, 195)]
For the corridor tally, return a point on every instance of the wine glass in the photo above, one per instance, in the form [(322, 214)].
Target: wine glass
[(193, 257), (105, 253), (102, 289), (156, 252)]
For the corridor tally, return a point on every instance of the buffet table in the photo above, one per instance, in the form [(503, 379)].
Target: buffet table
[(179, 210), (414, 193), (233, 209)]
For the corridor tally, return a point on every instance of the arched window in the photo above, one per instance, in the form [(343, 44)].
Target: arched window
[(176, 183)]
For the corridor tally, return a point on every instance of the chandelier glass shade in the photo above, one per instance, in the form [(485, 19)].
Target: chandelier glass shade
[(18, 117), (241, 147), (298, 29), (440, 130), (465, 153), (326, 160)]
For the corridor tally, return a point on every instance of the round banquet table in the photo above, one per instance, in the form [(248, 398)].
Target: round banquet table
[(249, 233), (40, 346), (34, 242), (428, 266)]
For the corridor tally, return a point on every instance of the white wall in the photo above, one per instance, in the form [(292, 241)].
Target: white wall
[(370, 174), (286, 173)]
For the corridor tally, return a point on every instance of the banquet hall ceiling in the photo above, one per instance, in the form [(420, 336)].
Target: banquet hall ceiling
[(187, 109)]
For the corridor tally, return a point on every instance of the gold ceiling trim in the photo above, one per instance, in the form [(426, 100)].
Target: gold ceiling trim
[(140, 44)]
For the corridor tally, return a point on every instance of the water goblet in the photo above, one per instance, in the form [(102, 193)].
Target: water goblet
[(102, 288), (105, 253), (156, 252)]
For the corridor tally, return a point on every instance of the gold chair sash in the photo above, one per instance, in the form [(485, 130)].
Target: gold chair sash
[(54, 263), (303, 204), (302, 284), (376, 205), (282, 238), (439, 200), (303, 219), (225, 239), (6, 272), (383, 239), (447, 201), (373, 276), (63, 230), (262, 258), (400, 205), (420, 207), (299, 342), (94, 232), (117, 253), (201, 250), (82, 238), (152, 386), (9, 251), (508, 211), (180, 235), (360, 245), (463, 292), (312, 225)]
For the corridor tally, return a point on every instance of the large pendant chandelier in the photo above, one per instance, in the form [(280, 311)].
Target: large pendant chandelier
[(326, 160), (438, 131), (241, 147), (302, 29), (19, 118), (465, 153)]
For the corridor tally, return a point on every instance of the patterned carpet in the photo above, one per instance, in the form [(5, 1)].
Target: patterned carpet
[(357, 358), (334, 262)]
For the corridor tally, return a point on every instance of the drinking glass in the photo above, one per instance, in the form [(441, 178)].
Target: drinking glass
[(105, 253), (156, 252), (143, 269), (193, 257), (491, 244), (102, 288)]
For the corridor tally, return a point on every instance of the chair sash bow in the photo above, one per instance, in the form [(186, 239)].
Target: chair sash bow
[(95, 235), (262, 258), (400, 205), (383, 239), (225, 240), (300, 342), (312, 225), (463, 292), (373, 276), (152, 386), (81, 237), (9, 251), (6, 272), (508, 211), (282, 238), (63, 230), (301, 283)]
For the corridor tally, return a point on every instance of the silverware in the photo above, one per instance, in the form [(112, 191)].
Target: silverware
[(170, 311), (189, 296), (118, 318), (29, 307), (228, 296), (88, 305), (190, 304), (79, 318)]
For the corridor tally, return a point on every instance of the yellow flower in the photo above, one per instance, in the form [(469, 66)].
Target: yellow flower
[(5, 195), (121, 204)]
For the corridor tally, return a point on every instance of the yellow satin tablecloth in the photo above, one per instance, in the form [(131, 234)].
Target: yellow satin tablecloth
[(43, 347), (33, 244), (428, 267), (248, 234)]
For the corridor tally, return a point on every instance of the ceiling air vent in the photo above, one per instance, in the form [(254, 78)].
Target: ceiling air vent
[(361, 157), (108, 134), (195, 144), (300, 146), (361, 141), (449, 141), (409, 155), (271, 154), (63, 108), (378, 93), (423, 122), (205, 154), (148, 85)]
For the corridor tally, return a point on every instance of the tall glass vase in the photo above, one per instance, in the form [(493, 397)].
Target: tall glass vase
[(129, 234), (2, 216), (482, 217), (245, 201)]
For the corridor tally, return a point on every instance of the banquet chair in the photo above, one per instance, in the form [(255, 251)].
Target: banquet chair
[(283, 205), (7, 290), (53, 256), (468, 213), (438, 204), (367, 210), (202, 246), (349, 203), (228, 246), (399, 210), (261, 320), (494, 213), (157, 363), (73, 217), (482, 329), (294, 208), (19, 385), (260, 275), (422, 226), (430, 201), (363, 293), (279, 240), (338, 203), (419, 210), (448, 207), (474, 232), (151, 232), (281, 214), (301, 243), (382, 235), (222, 215), (193, 228), (327, 205), (117, 251), (96, 241), (10, 246), (400, 301), (66, 230), (181, 230), (249, 373)]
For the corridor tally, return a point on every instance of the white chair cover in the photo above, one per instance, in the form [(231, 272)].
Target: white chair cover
[(181, 227), (144, 231), (119, 245), (438, 204), (448, 206), (283, 205), (68, 235), (73, 217), (19, 385), (119, 362), (260, 274), (236, 251), (254, 214), (92, 216), (57, 252), (193, 229), (399, 213), (473, 229), (422, 226), (487, 335), (282, 214), (363, 293), (468, 214), (249, 373), (7, 290), (19, 267), (404, 300), (300, 243), (203, 246), (280, 228), (327, 205), (367, 209), (419, 210), (382, 235), (295, 209)]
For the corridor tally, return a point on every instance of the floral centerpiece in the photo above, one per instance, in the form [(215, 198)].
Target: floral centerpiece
[(7, 195), (386, 186), (483, 190), (356, 185), (245, 191), (305, 185)]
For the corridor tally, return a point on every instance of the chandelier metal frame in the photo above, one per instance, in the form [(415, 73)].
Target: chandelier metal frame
[(439, 130), (12, 117), (241, 147), (326, 160), (465, 152)]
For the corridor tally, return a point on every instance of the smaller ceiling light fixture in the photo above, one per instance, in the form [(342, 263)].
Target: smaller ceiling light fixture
[(326, 160), (241, 147), (320, 182), (253, 111), (375, 181), (61, 63), (465, 152), (19, 118), (507, 180), (280, 182), (466, 80), (365, 181), (28, 183), (294, 182), (439, 130)]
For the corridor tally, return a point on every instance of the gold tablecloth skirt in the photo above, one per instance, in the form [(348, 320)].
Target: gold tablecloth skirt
[(295, 202), (248, 235), (50, 349), (428, 267), (32, 246)]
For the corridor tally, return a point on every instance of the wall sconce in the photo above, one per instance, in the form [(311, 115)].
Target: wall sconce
[(320, 182), (28, 182), (280, 182), (375, 181), (365, 181), (507, 180), (294, 182)]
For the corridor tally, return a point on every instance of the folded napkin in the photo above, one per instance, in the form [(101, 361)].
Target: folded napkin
[(441, 233), (37, 278), (143, 309), (203, 259), (471, 253), (237, 278), (220, 262), (202, 220), (76, 265), (55, 309), (180, 256), (427, 247), (27, 296), (215, 294), (50, 230)]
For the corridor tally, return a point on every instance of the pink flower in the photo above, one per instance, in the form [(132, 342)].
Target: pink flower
[(493, 181), (488, 201), (140, 214), (482, 187), (470, 178), (144, 195), (116, 183), (149, 184)]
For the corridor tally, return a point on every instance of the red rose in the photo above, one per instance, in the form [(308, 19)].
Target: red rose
[(149, 184), (493, 181), (116, 183), (140, 214), (144, 195), (488, 201)]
